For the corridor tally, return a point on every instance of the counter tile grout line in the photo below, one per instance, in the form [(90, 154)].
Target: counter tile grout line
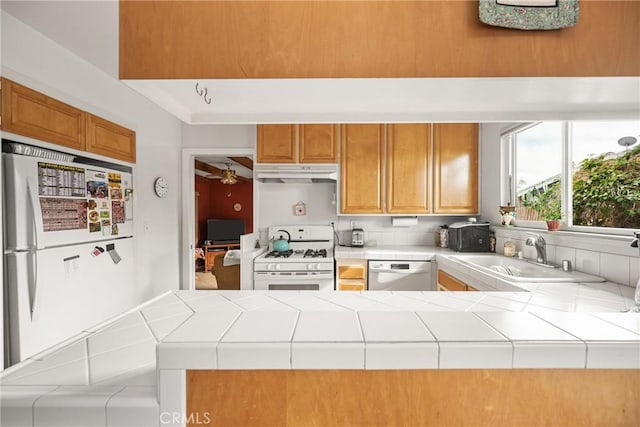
[(222, 336), (232, 302), (435, 338), (33, 404)]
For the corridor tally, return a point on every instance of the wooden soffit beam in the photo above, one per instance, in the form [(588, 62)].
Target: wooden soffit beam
[(338, 39), (212, 170), (244, 161)]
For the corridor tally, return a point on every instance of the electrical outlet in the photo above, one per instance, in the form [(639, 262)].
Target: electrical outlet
[(332, 224)]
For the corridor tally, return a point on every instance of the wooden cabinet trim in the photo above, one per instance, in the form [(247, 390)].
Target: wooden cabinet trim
[(36, 115), (110, 139)]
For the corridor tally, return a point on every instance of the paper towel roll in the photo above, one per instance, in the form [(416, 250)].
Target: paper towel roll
[(404, 221)]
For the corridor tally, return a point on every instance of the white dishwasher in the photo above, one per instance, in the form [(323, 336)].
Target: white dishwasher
[(400, 276)]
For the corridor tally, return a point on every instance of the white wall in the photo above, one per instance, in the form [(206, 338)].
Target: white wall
[(35, 61), (490, 171), (218, 136)]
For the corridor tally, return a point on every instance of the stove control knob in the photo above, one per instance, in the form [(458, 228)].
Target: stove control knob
[(318, 266), (309, 266), (271, 267), (278, 266)]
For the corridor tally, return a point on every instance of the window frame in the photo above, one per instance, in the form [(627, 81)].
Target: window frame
[(509, 173)]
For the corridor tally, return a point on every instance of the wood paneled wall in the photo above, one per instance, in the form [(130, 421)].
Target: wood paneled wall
[(508, 397), (296, 39)]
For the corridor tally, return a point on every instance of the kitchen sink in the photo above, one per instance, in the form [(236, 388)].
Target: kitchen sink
[(516, 270)]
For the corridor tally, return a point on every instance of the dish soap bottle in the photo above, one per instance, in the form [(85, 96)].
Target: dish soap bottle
[(509, 248)]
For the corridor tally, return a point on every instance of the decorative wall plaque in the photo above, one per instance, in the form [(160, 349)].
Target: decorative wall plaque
[(529, 14)]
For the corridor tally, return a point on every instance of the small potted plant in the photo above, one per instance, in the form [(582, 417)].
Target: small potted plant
[(552, 215)]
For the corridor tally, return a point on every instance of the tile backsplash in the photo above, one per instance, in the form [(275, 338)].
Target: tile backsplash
[(378, 231), (610, 257)]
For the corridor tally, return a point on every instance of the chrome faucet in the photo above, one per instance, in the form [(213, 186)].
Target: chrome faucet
[(541, 247)]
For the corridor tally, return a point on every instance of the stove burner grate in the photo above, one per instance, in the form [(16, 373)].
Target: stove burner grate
[(279, 254), (311, 253)]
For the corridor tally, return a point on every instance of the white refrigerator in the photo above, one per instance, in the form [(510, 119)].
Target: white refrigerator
[(68, 248)]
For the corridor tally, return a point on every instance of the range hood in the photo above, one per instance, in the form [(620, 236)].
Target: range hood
[(296, 173)]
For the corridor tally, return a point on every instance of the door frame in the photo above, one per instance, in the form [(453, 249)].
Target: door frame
[(188, 244)]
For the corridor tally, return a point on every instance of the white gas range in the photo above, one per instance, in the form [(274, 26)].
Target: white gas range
[(307, 265)]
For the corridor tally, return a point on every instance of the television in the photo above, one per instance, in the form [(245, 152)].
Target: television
[(224, 230)]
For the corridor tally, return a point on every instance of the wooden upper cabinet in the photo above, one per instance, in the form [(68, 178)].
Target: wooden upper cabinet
[(361, 158), (409, 168), (318, 143), (455, 168), (277, 144), (33, 114), (109, 139)]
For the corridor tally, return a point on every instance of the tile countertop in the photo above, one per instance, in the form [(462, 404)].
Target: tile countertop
[(394, 330)]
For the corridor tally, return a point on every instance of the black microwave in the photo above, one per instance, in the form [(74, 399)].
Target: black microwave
[(469, 237)]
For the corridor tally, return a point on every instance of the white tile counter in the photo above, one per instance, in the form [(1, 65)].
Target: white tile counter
[(367, 330), (133, 366)]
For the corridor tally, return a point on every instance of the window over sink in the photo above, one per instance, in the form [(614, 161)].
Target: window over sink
[(586, 173)]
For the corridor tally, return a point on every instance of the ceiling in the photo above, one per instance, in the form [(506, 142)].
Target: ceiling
[(221, 162), (90, 30)]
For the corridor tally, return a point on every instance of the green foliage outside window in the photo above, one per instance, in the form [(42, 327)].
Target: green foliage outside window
[(606, 192)]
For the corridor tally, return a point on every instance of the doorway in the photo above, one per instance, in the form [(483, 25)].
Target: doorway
[(218, 184)]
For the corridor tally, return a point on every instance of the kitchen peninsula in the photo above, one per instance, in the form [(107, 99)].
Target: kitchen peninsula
[(510, 357), (552, 353)]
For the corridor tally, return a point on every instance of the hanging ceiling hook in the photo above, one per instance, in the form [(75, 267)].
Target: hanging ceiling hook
[(203, 94)]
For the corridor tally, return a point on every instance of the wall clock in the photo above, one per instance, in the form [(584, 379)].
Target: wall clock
[(237, 207), (161, 187)]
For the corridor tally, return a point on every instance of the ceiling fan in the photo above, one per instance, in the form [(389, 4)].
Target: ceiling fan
[(229, 175)]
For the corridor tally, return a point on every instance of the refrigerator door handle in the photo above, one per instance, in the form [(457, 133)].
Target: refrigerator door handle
[(32, 189), (32, 274)]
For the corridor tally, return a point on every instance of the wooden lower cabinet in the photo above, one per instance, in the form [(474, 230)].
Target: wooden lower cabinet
[(110, 139), (352, 275), (36, 115), (428, 397), (447, 282)]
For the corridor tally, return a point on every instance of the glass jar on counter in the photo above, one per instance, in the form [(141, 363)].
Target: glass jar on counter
[(509, 248), (444, 236)]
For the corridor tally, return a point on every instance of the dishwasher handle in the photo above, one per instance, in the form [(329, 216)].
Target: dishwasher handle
[(399, 267)]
